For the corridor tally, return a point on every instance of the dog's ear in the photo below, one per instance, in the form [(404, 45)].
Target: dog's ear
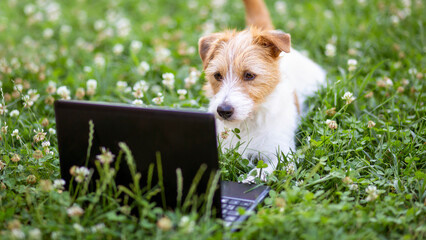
[(275, 41), (206, 46)]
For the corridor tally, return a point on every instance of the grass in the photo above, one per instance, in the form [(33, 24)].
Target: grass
[(354, 180)]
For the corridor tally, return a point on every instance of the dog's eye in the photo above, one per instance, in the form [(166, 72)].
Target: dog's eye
[(218, 76), (248, 76)]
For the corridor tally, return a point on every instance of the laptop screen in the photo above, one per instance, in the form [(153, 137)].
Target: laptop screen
[(184, 140)]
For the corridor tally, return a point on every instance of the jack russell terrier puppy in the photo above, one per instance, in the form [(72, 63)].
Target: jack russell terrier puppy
[(257, 83)]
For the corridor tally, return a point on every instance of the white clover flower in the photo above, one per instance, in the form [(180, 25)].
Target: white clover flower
[(98, 228), (27, 101), (77, 227), (15, 133), (33, 95), (99, 61), (55, 235), (372, 193), (123, 27), (388, 82), (19, 87), (405, 82), (362, 2), (4, 128), (138, 93), (17, 233), (168, 80), (348, 97), (2, 109), (36, 17), (81, 174), (118, 49), (53, 11), (106, 33), (106, 156), (353, 187), (141, 85), (29, 9), (182, 93), (331, 124), (162, 55), (187, 224), (121, 86), (191, 50), (14, 113), (280, 7), (75, 211), (15, 64), (143, 68), (192, 78), (135, 46), (59, 184), (371, 124), (52, 131), (159, 99), (330, 50), (2, 164), (290, 168), (69, 62), (300, 182), (338, 2), (91, 85), (32, 67), (394, 19), (65, 29), (139, 88), (225, 133), (352, 64), (412, 71), (63, 92), (87, 69), (99, 25), (45, 144), (34, 234), (48, 33), (137, 102), (40, 135)]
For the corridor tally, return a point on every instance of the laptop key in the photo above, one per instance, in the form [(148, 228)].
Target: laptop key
[(230, 207), (230, 218), (224, 200), (234, 202), (224, 211), (245, 204), (233, 213)]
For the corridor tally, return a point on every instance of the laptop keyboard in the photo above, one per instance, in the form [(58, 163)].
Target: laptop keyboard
[(230, 206)]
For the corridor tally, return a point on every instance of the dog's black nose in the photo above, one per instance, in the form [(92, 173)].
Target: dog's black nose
[(225, 111)]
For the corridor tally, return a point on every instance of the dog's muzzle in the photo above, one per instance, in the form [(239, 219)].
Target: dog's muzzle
[(225, 111)]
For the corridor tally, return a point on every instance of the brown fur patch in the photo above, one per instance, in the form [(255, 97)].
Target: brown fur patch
[(241, 53), (296, 102), (257, 14)]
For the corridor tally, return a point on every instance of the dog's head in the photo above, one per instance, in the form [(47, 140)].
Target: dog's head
[(241, 69)]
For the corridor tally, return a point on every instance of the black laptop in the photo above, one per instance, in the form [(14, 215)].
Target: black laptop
[(185, 141)]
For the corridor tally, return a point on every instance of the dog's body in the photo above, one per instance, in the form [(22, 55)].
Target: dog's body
[(256, 83)]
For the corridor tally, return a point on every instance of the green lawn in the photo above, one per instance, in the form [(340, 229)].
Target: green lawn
[(362, 176)]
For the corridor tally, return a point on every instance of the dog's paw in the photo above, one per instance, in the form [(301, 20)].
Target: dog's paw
[(249, 180), (256, 173)]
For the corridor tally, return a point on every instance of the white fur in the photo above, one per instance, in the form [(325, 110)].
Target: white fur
[(231, 94), (270, 128)]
